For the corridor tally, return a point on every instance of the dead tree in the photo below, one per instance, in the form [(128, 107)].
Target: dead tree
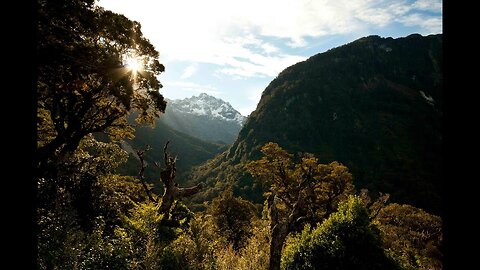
[(141, 175), (172, 192)]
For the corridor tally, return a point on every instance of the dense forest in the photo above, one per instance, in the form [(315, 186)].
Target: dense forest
[(301, 209)]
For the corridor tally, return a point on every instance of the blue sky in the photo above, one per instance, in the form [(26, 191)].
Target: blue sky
[(233, 49)]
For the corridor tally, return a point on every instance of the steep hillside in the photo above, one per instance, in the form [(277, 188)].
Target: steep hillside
[(205, 117), (374, 105), (190, 150)]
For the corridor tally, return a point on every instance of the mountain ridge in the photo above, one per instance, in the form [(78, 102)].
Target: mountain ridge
[(205, 117), (374, 104)]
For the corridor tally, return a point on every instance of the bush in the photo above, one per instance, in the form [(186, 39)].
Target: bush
[(346, 240)]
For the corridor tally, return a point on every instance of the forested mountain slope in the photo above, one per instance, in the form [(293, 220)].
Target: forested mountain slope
[(374, 104)]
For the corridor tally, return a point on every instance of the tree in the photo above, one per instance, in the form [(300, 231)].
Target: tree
[(297, 192), (83, 85), (84, 89), (171, 192), (346, 240), (70, 206), (232, 217), (412, 236)]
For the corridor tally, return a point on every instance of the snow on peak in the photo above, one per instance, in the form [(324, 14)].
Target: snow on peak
[(209, 106)]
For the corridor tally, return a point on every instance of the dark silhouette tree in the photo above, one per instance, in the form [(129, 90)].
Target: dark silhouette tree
[(83, 83), (84, 88)]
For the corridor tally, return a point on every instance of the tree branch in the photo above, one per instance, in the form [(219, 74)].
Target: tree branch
[(142, 171), (172, 192), (187, 192)]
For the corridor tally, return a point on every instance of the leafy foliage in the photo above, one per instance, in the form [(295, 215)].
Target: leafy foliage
[(232, 217), (83, 86), (412, 236), (346, 240), (83, 90), (299, 192), (90, 217), (317, 187)]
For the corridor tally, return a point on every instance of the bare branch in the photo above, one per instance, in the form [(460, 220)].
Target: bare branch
[(165, 154), (142, 171), (172, 192), (187, 192), (378, 205)]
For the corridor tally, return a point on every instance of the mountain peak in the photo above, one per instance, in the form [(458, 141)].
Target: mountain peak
[(208, 106)]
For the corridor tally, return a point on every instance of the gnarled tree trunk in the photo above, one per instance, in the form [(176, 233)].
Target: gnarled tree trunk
[(171, 191), (281, 229), (279, 234)]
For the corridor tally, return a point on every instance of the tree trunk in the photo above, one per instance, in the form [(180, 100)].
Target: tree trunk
[(168, 193), (45, 152), (279, 234), (172, 192)]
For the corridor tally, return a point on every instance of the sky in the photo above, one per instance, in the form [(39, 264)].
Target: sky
[(233, 49)]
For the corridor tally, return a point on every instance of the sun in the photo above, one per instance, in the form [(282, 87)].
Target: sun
[(134, 64)]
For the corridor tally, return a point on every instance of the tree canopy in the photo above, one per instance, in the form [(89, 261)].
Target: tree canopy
[(298, 192), (346, 240), (83, 84), (97, 79), (232, 217), (412, 236)]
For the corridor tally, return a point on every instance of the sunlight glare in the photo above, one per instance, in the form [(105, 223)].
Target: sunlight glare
[(133, 64)]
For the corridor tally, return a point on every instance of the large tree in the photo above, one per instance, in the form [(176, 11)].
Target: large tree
[(84, 84), (298, 192), (84, 88)]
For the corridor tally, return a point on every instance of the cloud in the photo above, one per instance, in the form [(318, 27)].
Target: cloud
[(245, 111), (192, 87), (429, 5), (430, 24), (189, 71), (234, 34), (376, 16), (253, 95)]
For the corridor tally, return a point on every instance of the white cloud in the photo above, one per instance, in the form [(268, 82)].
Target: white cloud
[(189, 71), (233, 34), (245, 111), (429, 5), (376, 16), (430, 25), (269, 48), (254, 39), (253, 96), (260, 65), (192, 87)]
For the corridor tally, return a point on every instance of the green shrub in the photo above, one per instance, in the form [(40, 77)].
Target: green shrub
[(346, 240)]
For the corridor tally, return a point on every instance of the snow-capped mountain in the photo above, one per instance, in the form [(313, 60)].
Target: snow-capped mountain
[(208, 106), (205, 117)]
